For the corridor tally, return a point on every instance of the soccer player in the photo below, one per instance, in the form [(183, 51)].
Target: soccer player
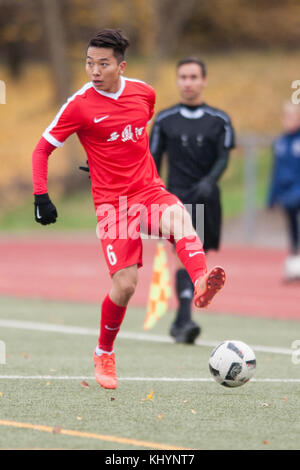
[(284, 188), (196, 139), (109, 114)]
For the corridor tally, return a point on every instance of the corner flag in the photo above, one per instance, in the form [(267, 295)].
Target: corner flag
[(160, 288)]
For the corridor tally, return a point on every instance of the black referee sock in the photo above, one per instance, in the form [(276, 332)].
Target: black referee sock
[(185, 293)]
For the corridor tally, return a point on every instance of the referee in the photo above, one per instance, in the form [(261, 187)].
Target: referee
[(196, 139)]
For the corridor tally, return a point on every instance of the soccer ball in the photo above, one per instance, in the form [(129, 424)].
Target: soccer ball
[(232, 363)]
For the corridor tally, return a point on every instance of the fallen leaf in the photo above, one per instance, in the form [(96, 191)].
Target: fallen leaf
[(193, 411), (25, 355), (266, 442), (84, 384), (185, 401), (284, 398), (112, 398), (149, 396), (52, 370), (56, 430), (47, 383), (1, 394), (79, 418), (160, 416)]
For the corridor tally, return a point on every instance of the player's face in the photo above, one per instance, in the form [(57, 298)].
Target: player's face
[(103, 69), (190, 82)]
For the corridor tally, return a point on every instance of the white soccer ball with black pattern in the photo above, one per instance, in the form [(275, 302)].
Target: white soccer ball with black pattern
[(232, 363)]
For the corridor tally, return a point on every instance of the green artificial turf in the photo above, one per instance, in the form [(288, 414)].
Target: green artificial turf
[(197, 415)]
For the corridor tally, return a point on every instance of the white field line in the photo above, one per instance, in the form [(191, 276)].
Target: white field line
[(134, 379), (77, 330)]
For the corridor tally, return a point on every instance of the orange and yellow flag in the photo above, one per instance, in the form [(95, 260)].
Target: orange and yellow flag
[(160, 288)]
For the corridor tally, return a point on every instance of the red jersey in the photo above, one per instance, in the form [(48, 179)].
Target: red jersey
[(112, 129)]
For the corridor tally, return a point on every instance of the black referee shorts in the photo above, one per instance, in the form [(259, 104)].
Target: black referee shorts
[(206, 218)]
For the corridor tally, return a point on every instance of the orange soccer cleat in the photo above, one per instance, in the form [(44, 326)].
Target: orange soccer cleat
[(208, 285), (105, 370)]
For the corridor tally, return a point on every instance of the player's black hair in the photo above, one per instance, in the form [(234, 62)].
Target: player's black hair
[(193, 60), (111, 39)]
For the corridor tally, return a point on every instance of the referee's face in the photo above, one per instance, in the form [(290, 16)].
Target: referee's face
[(103, 69), (191, 83)]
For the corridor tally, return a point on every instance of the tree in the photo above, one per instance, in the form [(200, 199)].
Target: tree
[(55, 32)]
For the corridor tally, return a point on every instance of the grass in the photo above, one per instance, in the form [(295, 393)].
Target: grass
[(75, 211), (190, 414)]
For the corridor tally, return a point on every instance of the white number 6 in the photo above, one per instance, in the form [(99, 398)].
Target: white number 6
[(111, 255)]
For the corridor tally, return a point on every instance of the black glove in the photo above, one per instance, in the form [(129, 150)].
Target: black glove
[(85, 168), (204, 189), (44, 211)]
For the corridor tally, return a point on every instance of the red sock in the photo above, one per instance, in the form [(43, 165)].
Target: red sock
[(191, 254), (111, 319)]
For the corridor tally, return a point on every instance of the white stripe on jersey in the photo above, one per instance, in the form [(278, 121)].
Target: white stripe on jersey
[(134, 80), (228, 131), (47, 135), (168, 112), (113, 96), (156, 128), (189, 114)]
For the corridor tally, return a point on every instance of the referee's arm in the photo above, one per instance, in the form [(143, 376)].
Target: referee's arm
[(225, 143), (221, 162), (157, 144)]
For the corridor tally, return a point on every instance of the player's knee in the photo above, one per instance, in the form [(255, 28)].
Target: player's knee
[(128, 288), (177, 221), (126, 284)]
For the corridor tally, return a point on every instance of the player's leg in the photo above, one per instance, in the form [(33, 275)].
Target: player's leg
[(114, 306), (177, 222), (183, 328), (293, 229), (123, 257), (292, 262), (112, 314)]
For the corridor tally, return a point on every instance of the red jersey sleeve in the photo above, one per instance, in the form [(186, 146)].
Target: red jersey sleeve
[(40, 166), (152, 98), (66, 122)]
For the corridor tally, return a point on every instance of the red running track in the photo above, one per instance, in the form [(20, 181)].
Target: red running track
[(72, 268)]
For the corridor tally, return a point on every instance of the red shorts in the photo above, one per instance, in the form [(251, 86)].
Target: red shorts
[(120, 226)]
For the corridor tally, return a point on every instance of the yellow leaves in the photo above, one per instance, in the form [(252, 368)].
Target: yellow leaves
[(1, 394), (149, 397)]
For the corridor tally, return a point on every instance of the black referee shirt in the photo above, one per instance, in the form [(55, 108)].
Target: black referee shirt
[(196, 139)]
